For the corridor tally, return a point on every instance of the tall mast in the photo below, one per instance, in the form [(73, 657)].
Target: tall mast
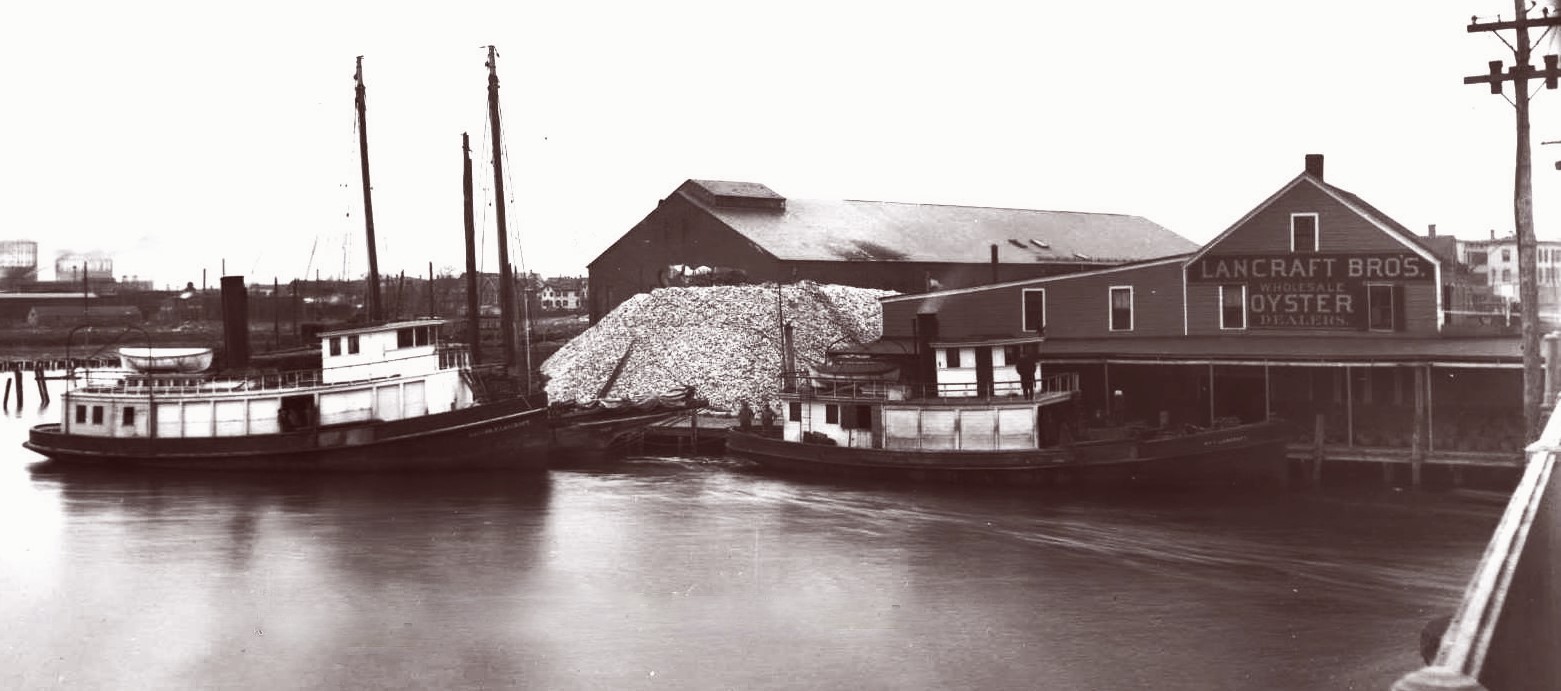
[(506, 274), (375, 308), (472, 310)]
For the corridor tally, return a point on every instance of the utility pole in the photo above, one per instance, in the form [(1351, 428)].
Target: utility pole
[(1523, 192)]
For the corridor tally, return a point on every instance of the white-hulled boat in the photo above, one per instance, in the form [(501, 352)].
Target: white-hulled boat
[(385, 396), (148, 359), (863, 418)]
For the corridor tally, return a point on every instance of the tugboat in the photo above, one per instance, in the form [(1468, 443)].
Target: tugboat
[(856, 414)]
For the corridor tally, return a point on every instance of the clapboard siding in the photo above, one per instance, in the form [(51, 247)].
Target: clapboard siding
[(1077, 306), (1339, 229), (1203, 314)]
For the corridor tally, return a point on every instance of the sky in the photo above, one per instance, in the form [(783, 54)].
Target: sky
[(191, 140)]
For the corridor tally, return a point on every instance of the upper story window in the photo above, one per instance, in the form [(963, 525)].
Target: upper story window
[(1233, 306), (1034, 317), (1121, 318), (1303, 232), (1506, 255), (1384, 307)]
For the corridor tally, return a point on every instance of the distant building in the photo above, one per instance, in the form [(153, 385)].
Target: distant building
[(563, 293), (60, 315), (714, 232)]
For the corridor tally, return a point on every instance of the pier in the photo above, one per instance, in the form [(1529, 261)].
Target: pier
[(1506, 630)]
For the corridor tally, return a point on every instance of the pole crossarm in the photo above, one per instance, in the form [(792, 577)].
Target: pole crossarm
[(1523, 23), (1551, 73)]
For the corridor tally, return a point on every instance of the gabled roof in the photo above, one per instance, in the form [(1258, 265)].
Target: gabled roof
[(1366, 211), (853, 230)]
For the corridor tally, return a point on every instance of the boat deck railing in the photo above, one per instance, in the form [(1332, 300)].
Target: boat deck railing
[(809, 386), (1506, 630)]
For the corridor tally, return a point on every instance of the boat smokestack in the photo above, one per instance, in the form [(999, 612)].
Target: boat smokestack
[(235, 323), (926, 357)]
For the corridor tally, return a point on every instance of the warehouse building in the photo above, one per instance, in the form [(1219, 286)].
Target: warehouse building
[(712, 233)]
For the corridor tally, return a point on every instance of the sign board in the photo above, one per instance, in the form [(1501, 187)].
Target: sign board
[(1309, 291)]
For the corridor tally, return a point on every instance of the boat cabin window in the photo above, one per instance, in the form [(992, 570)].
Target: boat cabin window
[(413, 336), (97, 415), (953, 358), (858, 417), (352, 344), (794, 411), (81, 413), (832, 414), (129, 417), (336, 345)]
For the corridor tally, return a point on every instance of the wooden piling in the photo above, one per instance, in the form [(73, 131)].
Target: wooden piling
[(7, 399), (16, 375), (1317, 449)]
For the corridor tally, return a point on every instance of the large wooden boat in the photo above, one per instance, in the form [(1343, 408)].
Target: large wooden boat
[(859, 419), (386, 396)]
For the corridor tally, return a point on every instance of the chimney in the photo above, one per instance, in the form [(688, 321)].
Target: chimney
[(1493, 233), (994, 262), (1430, 231), (235, 323), (1314, 165)]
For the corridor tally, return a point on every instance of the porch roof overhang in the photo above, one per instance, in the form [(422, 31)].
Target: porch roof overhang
[(1315, 351)]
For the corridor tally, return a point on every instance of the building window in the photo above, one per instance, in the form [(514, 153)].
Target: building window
[(97, 415), (1122, 308), (352, 344), (128, 417), (1384, 307), (81, 413), (1233, 306), (1303, 232), (1506, 275), (403, 338), (336, 345), (831, 414), (1506, 255), (952, 359), (794, 411), (1034, 317)]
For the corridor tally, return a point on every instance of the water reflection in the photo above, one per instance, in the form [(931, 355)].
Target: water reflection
[(703, 573)]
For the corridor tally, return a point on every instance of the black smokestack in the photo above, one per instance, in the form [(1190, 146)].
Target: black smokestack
[(235, 323)]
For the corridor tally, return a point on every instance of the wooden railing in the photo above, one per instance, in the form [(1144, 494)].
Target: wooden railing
[(808, 387), (1507, 630)]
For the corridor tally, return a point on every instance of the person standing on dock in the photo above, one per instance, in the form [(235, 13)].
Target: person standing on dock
[(744, 415)]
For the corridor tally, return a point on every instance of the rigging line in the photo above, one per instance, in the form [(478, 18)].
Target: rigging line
[(520, 250)]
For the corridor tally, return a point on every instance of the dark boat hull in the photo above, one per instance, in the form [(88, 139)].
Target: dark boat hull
[(1248, 454), (592, 433), (508, 434)]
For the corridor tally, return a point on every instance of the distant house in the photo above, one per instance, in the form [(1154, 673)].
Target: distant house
[(59, 315), (563, 293), (714, 232)]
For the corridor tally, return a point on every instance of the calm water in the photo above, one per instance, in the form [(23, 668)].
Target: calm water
[(703, 573)]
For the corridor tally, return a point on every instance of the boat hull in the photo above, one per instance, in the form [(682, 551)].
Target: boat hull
[(509, 434), (1243, 455)]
